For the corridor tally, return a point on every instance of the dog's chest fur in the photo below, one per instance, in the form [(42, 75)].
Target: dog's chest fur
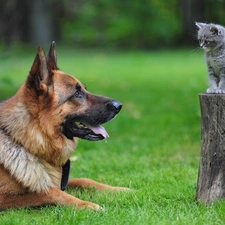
[(30, 171), (26, 153)]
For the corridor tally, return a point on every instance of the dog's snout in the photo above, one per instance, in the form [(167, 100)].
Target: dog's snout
[(115, 105)]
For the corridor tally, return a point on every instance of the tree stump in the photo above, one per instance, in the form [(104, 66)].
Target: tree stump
[(211, 176)]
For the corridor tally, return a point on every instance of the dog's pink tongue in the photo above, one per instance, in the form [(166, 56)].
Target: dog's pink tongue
[(99, 130)]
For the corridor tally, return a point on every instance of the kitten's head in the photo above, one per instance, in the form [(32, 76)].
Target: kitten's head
[(210, 35)]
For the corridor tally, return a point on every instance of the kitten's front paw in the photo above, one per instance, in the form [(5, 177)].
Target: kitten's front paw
[(220, 91), (212, 91), (215, 91)]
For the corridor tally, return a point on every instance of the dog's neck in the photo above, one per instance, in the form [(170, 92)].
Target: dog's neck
[(18, 122)]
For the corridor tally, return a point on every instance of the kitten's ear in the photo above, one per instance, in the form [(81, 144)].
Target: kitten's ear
[(214, 30), (200, 25)]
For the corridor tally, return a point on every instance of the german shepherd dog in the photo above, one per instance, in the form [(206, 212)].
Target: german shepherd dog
[(39, 127)]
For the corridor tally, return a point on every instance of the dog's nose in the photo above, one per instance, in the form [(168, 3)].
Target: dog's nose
[(115, 105)]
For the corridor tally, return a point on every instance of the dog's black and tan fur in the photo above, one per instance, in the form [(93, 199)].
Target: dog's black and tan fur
[(39, 127)]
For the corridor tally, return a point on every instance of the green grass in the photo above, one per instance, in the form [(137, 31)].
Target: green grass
[(154, 143)]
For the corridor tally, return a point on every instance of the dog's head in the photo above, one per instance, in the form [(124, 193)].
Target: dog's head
[(64, 104)]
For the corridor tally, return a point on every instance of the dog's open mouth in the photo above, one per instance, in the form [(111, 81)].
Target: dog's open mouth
[(77, 129), (96, 130)]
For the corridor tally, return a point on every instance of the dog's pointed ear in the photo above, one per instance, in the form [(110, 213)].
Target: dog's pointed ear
[(39, 76), (52, 57)]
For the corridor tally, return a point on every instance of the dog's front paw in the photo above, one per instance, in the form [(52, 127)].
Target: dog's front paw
[(90, 205), (95, 207), (121, 189)]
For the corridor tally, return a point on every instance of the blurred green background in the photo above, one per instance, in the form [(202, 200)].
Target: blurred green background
[(136, 24)]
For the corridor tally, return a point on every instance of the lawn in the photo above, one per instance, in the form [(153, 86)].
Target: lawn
[(154, 143)]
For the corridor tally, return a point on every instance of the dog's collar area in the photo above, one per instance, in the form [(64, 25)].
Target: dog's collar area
[(65, 175)]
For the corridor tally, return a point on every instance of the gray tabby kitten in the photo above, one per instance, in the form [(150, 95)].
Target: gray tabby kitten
[(212, 39)]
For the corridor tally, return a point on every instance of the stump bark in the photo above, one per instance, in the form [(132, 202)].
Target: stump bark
[(211, 176)]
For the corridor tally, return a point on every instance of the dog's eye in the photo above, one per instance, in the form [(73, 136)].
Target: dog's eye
[(78, 94)]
